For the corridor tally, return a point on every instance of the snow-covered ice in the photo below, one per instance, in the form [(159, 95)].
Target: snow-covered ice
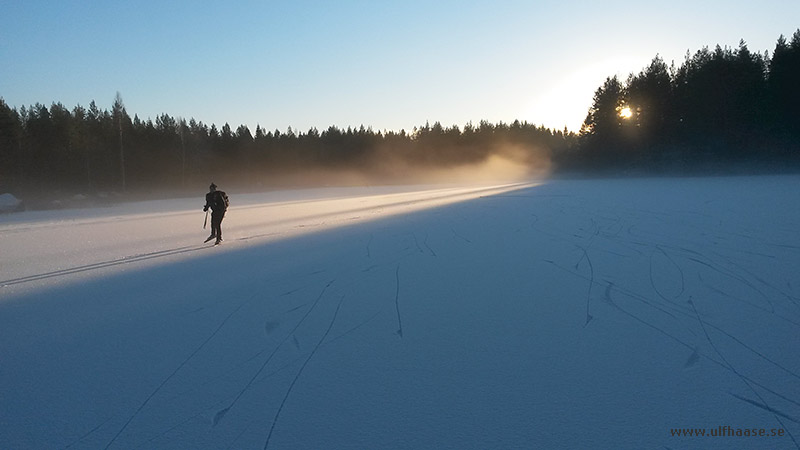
[(553, 314)]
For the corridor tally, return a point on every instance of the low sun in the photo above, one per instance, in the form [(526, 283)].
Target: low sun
[(626, 113)]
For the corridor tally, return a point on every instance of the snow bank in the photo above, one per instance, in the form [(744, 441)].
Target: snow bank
[(9, 203)]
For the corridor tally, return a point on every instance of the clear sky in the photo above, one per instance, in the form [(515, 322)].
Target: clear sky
[(390, 65)]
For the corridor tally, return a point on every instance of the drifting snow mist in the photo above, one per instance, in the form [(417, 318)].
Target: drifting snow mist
[(508, 163)]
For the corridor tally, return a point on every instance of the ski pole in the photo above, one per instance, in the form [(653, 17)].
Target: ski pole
[(205, 221)]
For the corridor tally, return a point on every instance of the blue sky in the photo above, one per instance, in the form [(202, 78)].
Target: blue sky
[(386, 64)]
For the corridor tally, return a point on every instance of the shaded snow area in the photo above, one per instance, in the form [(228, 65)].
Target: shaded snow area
[(560, 314)]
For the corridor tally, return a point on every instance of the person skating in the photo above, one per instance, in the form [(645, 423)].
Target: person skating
[(218, 202)]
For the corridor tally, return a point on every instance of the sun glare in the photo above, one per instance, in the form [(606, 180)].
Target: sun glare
[(626, 113)]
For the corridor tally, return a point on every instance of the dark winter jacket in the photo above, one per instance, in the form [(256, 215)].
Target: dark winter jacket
[(217, 201)]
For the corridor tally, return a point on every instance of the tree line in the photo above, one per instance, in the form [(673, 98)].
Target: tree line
[(89, 149), (719, 105), (722, 105)]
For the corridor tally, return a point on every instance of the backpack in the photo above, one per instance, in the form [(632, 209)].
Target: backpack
[(220, 201)]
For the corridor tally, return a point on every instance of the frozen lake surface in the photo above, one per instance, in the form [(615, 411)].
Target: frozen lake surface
[(551, 314)]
